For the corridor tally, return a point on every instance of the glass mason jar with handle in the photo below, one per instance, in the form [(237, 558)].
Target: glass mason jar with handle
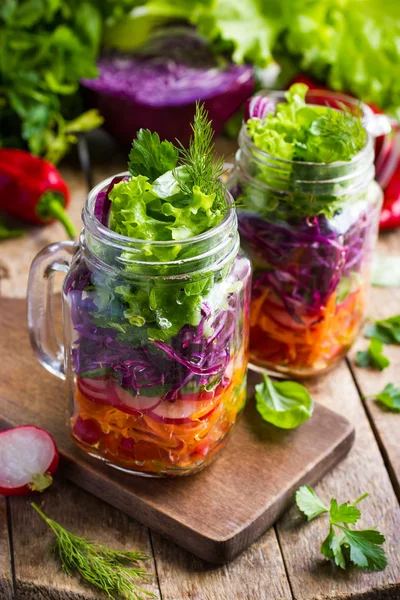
[(155, 352), (311, 265)]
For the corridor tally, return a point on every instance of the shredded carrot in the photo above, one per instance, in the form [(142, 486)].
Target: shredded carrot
[(256, 306), (311, 346), (140, 442)]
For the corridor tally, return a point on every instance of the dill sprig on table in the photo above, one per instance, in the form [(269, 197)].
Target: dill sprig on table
[(202, 166), (113, 571)]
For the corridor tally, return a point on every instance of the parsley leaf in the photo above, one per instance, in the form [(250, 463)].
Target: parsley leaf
[(373, 356), (309, 503), (390, 397), (285, 404), (385, 330), (361, 548), (365, 550), (345, 513), (150, 157), (332, 548)]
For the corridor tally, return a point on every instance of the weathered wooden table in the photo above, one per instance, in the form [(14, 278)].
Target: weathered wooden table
[(285, 563)]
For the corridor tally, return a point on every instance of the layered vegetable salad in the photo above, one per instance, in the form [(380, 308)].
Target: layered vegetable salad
[(158, 302), (308, 220)]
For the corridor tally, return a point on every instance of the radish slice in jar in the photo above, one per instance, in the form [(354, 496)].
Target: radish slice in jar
[(96, 390), (126, 402), (180, 411)]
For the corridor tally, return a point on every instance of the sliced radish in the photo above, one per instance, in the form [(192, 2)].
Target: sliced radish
[(126, 402), (96, 390), (179, 411), (28, 459)]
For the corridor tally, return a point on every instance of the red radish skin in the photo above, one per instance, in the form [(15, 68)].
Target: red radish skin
[(87, 430), (28, 460)]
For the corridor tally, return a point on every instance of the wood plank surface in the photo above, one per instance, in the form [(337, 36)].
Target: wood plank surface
[(384, 302), (6, 584), (259, 573), (38, 572), (362, 471)]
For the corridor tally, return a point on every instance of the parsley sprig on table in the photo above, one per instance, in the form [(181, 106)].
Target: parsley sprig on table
[(389, 397), (113, 571), (373, 356), (385, 330), (344, 545)]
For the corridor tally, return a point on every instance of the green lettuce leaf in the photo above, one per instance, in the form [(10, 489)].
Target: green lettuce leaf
[(249, 28), (246, 28), (137, 212), (351, 45), (297, 131)]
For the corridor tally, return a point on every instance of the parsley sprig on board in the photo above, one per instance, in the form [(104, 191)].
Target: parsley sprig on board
[(344, 545), (113, 571)]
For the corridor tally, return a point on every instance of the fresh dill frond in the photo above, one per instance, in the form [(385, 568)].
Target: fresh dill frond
[(113, 571), (202, 167), (340, 133)]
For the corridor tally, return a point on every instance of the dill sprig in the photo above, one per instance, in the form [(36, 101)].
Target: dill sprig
[(202, 167), (109, 570), (340, 132)]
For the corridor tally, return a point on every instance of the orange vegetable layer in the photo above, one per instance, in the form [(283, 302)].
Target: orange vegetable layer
[(276, 339), (140, 442)]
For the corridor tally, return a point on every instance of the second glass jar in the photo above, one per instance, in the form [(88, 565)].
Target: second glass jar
[(311, 273)]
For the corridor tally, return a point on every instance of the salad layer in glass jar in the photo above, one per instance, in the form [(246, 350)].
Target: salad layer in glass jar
[(308, 220), (157, 303)]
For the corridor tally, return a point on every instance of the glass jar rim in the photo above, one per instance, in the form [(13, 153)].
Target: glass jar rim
[(91, 221), (279, 95), (209, 250)]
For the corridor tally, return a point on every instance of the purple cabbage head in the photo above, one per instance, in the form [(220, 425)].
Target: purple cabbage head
[(158, 86)]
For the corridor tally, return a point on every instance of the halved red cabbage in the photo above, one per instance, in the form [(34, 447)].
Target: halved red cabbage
[(157, 87)]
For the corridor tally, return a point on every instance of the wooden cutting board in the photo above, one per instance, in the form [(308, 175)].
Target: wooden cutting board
[(215, 514)]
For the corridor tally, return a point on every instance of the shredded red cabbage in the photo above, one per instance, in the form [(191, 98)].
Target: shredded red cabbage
[(303, 262)]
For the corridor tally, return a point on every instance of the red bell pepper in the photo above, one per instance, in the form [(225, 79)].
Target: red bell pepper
[(32, 189), (390, 215)]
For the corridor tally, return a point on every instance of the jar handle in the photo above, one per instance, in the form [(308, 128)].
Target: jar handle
[(48, 349)]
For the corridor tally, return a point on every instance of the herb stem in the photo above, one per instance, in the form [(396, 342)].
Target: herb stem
[(360, 498)]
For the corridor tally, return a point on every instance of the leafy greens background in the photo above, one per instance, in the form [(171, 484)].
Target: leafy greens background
[(47, 46)]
